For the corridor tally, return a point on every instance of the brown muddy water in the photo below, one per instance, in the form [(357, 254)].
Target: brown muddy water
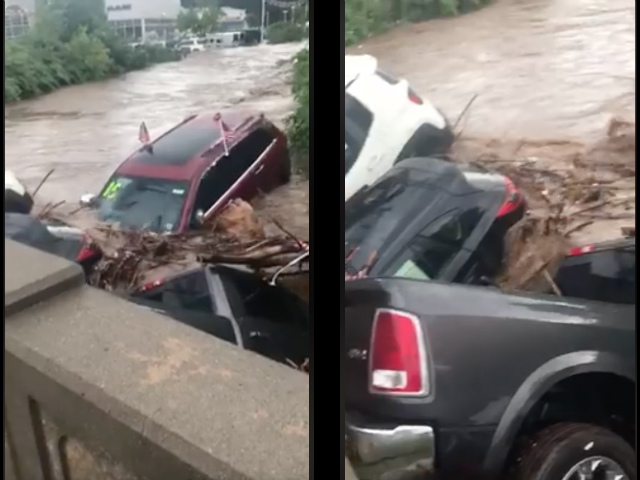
[(84, 132), (554, 87), (549, 76)]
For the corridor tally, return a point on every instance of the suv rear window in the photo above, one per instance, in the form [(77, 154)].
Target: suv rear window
[(357, 123), (432, 250), (375, 216)]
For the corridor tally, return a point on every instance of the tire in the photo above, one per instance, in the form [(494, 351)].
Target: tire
[(553, 452)]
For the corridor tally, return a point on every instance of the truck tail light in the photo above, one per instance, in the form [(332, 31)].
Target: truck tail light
[(577, 251), (414, 97), (398, 361)]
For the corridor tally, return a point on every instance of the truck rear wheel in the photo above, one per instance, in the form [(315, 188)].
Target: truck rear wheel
[(574, 451)]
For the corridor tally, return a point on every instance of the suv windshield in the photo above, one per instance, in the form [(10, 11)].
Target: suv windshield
[(357, 122), (142, 203)]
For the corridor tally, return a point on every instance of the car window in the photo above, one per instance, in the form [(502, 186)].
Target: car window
[(377, 214), (261, 300), (357, 123), (228, 169), (142, 203), (189, 292), (432, 250)]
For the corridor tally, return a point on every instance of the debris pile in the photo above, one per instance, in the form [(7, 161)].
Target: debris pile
[(236, 236), (576, 195)]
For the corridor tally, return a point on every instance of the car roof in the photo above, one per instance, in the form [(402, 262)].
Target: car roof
[(356, 65), (178, 153), (427, 172)]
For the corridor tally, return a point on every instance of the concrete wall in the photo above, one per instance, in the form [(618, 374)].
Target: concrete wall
[(99, 389)]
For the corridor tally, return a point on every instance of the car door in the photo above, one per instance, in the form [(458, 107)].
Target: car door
[(273, 321), (385, 136), (272, 156), (188, 299), (246, 164), (360, 151)]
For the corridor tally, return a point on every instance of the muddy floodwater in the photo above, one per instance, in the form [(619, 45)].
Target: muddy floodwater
[(549, 76), (552, 86), (540, 68), (85, 131)]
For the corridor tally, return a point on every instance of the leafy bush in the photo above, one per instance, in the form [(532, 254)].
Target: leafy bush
[(298, 128), (47, 59), (285, 32), (364, 18)]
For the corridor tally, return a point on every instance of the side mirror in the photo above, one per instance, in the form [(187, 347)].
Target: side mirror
[(87, 200), (199, 217)]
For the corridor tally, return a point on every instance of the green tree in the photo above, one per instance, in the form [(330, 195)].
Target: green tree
[(200, 20), (71, 15)]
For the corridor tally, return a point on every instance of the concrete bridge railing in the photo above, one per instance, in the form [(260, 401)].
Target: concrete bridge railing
[(99, 389)]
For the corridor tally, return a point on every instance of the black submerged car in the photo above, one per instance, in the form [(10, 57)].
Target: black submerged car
[(61, 241), (429, 219), (236, 306), (603, 271)]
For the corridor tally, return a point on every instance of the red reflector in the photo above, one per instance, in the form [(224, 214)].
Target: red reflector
[(149, 286), (581, 250), (85, 254), (88, 251), (512, 199), (398, 364), (414, 97)]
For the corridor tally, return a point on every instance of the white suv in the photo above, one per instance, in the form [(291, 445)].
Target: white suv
[(385, 121)]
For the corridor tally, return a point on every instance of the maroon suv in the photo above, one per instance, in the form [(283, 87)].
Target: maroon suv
[(188, 174)]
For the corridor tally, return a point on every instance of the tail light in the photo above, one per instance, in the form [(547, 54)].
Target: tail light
[(397, 362), (512, 199), (574, 252), (87, 252), (150, 286), (414, 97)]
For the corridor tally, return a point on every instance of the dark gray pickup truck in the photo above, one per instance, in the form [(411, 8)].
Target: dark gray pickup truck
[(470, 383)]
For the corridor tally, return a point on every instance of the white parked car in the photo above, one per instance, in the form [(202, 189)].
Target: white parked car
[(385, 121), (192, 44)]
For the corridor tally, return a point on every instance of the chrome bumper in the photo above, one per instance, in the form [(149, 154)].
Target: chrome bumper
[(395, 453)]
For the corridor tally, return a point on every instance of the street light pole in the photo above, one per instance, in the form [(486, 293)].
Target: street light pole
[(262, 22)]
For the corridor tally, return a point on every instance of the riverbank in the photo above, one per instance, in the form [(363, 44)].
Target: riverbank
[(41, 62), (366, 18)]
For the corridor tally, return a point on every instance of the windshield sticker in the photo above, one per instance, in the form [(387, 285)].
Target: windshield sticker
[(112, 189), (178, 191)]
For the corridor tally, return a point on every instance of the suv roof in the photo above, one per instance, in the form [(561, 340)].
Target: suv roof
[(178, 153), (356, 65)]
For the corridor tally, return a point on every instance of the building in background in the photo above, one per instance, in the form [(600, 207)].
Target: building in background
[(232, 20), (18, 17), (143, 20)]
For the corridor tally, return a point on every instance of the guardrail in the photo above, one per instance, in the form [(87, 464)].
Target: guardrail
[(97, 388)]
